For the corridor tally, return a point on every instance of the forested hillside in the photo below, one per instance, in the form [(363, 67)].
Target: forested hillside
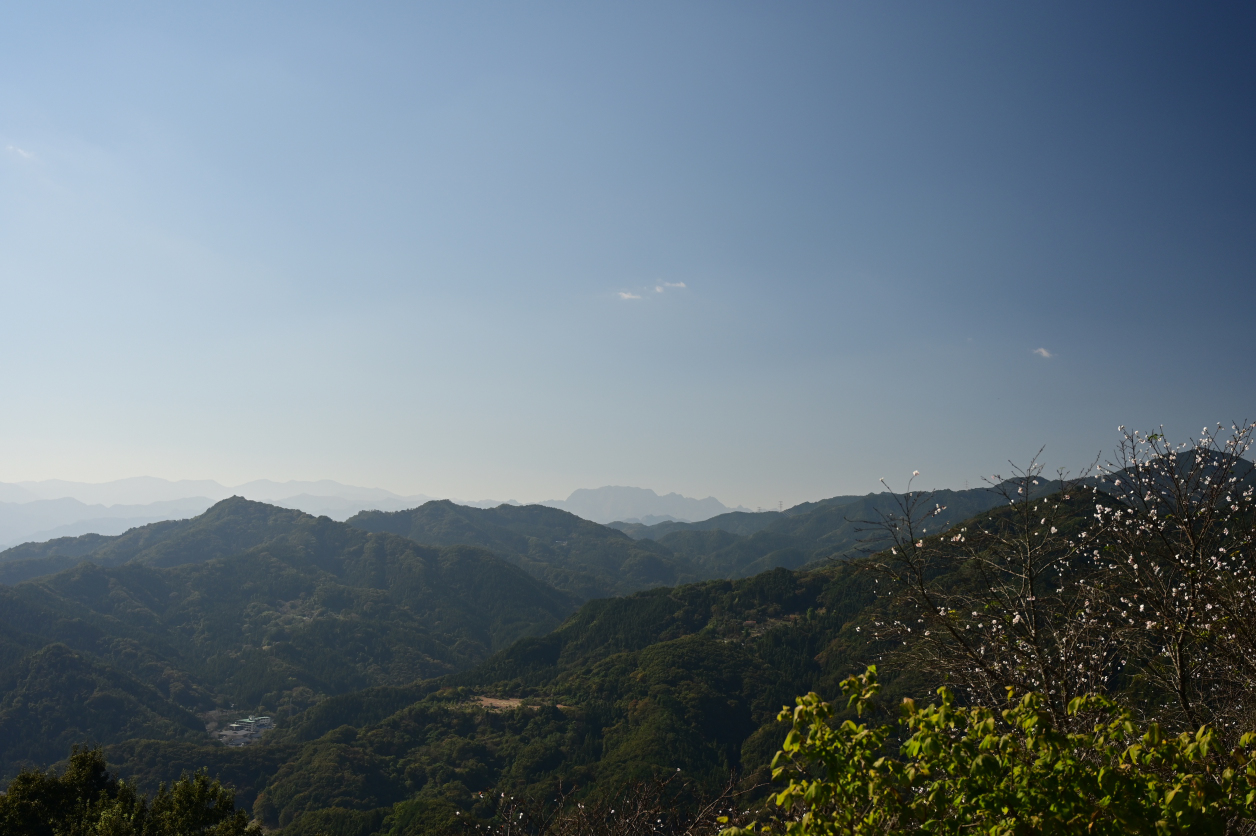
[(739, 545), (581, 557), (249, 605), (686, 678), (270, 609), (229, 527), (414, 684), (666, 679), (594, 561)]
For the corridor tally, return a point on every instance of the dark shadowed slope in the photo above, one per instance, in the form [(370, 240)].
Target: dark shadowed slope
[(55, 699)]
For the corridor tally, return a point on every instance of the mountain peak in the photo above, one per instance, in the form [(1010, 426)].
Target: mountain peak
[(621, 503)]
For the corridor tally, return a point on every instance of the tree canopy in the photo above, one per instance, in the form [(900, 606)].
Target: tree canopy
[(85, 800)]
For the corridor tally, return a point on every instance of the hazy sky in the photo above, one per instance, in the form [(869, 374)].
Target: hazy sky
[(765, 251)]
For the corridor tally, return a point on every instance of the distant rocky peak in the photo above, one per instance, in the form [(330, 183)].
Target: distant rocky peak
[(621, 503)]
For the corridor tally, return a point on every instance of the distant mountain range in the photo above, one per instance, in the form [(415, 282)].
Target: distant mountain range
[(53, 508), (638, 505), (44, 510), (46, 519), (143, 490)]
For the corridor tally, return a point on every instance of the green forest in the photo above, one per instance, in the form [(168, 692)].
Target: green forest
[(442, 668)]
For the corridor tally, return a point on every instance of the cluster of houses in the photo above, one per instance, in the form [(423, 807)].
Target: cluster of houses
[(245, 731)]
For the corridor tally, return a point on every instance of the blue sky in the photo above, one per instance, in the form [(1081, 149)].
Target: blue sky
[(762, 251)]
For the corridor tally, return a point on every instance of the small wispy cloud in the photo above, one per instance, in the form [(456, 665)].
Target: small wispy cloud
[(1042, 352), (661, 287), (13, 149)]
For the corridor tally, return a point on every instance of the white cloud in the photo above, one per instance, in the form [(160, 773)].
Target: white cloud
[(13, 149), (661, 287), (1042, 352)]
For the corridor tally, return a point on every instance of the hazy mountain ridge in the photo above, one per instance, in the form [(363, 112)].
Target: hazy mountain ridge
[(144, 490), (54, 508), (46, 519), (36, 511), (611, 503)]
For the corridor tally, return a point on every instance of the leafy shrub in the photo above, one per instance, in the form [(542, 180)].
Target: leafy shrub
[(974, 770)]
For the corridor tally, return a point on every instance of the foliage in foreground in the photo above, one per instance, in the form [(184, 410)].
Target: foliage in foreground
[(974, 770), (86, 800)]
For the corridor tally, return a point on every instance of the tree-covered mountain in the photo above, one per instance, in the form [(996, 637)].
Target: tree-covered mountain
[(590, 560), (376, 653), (270, 608), (55, 699), (837, 521), (251, 605), (416, 683), (582, 558), (739, 545), (665, 679), (573, 554), (686, 678), (228, 527)]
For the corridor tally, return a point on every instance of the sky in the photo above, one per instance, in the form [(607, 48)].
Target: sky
[(761, 251)]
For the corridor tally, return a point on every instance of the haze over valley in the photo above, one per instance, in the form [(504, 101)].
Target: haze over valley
[(44, 510)]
